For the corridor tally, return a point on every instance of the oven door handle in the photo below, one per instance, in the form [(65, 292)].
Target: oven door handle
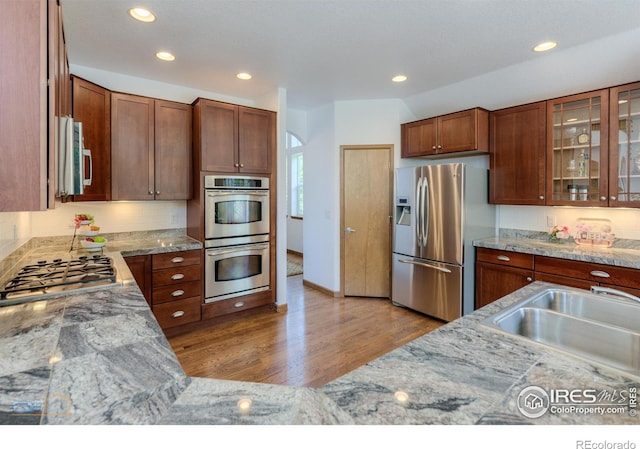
[(214, 193), (236, 249)]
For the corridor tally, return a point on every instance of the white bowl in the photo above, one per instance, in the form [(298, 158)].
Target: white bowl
[(89, 233), (92, 246)]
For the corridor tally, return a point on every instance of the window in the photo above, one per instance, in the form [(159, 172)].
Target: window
[(295, 192)]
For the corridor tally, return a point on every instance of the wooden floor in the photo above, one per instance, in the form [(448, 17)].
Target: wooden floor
[(317, 340)]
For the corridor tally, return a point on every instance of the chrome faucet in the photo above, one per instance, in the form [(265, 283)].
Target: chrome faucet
[(612, 291)]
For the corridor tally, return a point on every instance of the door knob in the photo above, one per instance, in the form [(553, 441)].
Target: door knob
[(349, 230)]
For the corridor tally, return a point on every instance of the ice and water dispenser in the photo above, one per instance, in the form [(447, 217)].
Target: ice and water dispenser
[(403, 211)]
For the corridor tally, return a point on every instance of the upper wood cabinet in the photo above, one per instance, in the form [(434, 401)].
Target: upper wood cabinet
[(92, 107), (150, 149), (624, 146), (578, 149), (32, 87), (233, 139), (517, 155), (464, 131)]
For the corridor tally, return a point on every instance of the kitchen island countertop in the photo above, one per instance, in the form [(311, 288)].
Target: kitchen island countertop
[(100, 358)]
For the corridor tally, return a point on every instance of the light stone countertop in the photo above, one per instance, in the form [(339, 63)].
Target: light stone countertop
[(99, 357)]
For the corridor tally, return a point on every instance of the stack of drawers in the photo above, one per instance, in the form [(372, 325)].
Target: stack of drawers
[(176, 292)]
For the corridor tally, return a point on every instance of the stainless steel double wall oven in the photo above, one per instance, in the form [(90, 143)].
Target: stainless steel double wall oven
[(236, 236)]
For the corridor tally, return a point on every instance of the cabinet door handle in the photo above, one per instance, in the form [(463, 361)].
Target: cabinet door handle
[(241, 165), (177, 276), (529, 279), (177, 293), (439, 147), (177, 314), (239, 304), (600, 274), (236, 165), (541, 197), (433, 147), (157, 192), (177, 260), (150, 192), (603, 198), (503, 258), (613, 198)]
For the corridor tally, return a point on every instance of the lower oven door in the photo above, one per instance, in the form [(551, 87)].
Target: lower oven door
[(236, 270)]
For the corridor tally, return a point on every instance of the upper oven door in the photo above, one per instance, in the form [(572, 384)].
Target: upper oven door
[(232, 213)]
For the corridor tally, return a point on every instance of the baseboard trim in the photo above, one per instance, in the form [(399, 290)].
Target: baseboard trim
[(295, 253), (324, 290), (281, 308)]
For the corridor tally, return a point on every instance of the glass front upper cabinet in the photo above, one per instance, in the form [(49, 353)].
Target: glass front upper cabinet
[(624, 159), (578, 149)]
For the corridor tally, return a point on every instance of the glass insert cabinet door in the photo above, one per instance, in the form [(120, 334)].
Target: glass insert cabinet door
[(624, 162), (578, 134)]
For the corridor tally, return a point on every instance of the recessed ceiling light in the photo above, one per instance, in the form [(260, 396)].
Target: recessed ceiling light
[(544, 46), (244, 76), (399, 79), (165, 56), (141, 14)]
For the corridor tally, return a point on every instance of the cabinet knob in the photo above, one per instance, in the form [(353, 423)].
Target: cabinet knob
[(157, 192), (439, 147), (600, 274), (177, 293), (603, 198), (529, 279), (433, 147), (503, 258), (541, 197), (150, 192), (239, 304), (236, 165), (613, 198), (177, 276), (241, 165), (177, 314), (177, 260)]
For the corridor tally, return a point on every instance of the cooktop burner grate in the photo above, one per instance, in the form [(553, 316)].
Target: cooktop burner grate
[(59, 275)]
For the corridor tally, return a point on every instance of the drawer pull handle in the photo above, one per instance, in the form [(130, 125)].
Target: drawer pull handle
[(177, 260), (504, 258), (177, 314), (177, 293), (177, 276), (600, 274), (239, 304)]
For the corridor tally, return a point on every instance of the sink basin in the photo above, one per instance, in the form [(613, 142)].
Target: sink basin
[(582, 324)]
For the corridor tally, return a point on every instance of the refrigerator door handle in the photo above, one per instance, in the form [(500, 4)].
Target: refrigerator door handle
[(417, 214), (426, 207), (422, 264)]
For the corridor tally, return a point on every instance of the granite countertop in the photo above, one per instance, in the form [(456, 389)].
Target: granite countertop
[(623, 253), (99, 357)]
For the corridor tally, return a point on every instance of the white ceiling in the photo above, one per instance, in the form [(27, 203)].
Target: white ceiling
[(327, 50)]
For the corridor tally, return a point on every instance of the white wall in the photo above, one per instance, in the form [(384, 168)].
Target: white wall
[(15, 230)]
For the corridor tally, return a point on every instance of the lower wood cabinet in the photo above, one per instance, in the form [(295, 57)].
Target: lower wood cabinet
[(499, 273), (171, 284)]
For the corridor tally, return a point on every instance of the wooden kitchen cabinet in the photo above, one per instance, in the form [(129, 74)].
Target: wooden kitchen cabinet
[(624, 148), (140, 267), (171, 284), (499, 273), (497, 277), (92, 107), (517, 155), (33, 51), (577, 149), (460, 132), (150, 149), (233, 139)]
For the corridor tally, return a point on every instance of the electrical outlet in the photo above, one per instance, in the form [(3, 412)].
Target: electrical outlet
[(174, 218), (551, 220)]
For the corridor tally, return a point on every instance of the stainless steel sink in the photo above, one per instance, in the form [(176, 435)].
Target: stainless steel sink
[(596, 328)]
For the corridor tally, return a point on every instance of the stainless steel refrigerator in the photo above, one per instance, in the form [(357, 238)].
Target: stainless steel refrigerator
[(439, 210)]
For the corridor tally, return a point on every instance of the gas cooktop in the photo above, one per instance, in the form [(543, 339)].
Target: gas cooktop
[(58, 275)]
